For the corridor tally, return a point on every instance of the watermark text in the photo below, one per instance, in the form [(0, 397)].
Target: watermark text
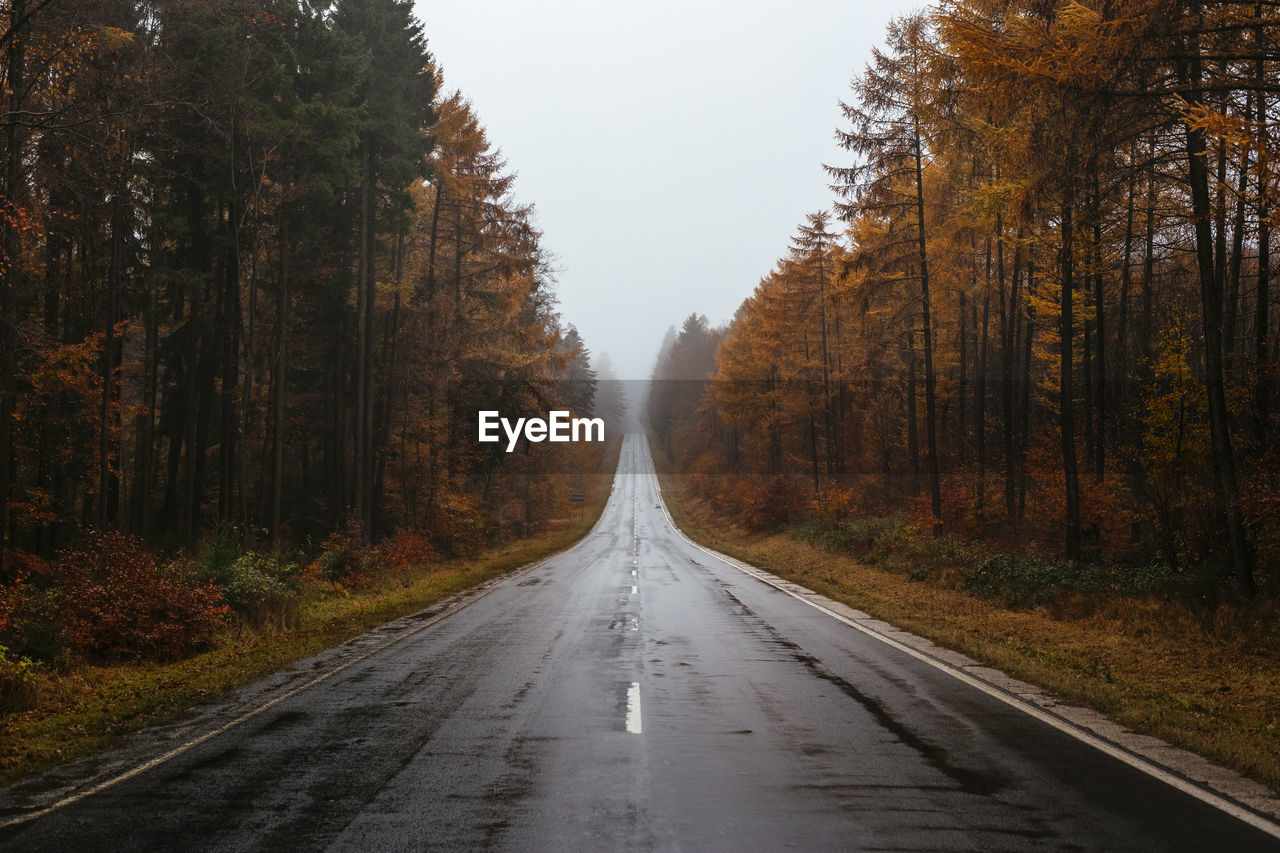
[(558, 426)]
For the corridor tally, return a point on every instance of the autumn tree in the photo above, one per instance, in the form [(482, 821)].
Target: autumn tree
[(887, 134), (221, 311), (1094, 180)]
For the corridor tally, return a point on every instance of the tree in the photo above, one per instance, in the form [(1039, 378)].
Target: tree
[(394, 96), (887, 134)]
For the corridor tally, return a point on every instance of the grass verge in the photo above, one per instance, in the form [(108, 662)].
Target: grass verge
[(1208, 682), (87, 709)]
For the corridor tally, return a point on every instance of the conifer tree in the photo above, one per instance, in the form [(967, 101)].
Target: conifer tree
[(887, 135)]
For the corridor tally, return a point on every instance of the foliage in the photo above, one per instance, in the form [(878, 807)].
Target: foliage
[(834, 504), (339, 559), (109, 599), (856, 536), (1020, 581), (262, 270), (17, 682), (769, 503), (262, 590), (1048, 320), (402, 552)]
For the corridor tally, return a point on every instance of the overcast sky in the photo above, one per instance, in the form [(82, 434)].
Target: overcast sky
[(671, 148)]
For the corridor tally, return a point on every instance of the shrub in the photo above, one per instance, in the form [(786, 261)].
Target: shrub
[(1022, 580), (858, 536), (834, 504), (457, 522), (262, 590), (403, 551), (339, 558), (29, 607), (17, 682), (771, 503), (114, 601)]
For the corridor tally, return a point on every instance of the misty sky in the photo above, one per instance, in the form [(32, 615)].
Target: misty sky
[(671, 148)]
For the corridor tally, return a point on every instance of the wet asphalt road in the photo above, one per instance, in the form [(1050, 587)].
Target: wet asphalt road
[(634, 693)]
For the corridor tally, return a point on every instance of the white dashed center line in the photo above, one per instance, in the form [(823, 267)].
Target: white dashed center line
[(633, 708)]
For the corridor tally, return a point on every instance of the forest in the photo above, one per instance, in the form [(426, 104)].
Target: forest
[(260, 269), (1038, 312)]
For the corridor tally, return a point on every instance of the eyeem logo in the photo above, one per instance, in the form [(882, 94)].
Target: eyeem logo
[(558, 427)]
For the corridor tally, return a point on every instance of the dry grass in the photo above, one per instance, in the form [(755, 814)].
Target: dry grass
[(1210, 684), (87, 709)]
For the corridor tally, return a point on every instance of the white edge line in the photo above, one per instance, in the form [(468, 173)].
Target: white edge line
[(467, 599), (1138, 762), (207, 736)]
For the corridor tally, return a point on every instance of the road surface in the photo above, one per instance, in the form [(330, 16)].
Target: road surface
[(634, 693)]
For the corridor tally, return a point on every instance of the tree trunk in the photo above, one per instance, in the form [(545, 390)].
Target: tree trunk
[(229, 448), (370, 317), (279, 389), (1025, 436), (1232, 305), (1211, 308), (15, 68), (980, 398), (926, 315), (391, 346), (913, 423), (1100, 337), (1086, 372), (1148, 266), (1066, 379), (828, 423), (1009, 320), (964, 364), (1126, 279), (364, 284), (108, 484), (145, 457), (1262, 293)]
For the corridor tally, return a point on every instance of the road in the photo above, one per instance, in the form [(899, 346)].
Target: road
[(634, 693)]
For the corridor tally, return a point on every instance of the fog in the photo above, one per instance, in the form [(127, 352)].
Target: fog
[(671, 148)]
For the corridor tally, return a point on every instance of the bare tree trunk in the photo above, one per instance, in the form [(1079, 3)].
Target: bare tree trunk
[(1009, 319), (144, 477), (391, 346), (230, 358), (964, 363), (813, 422), (1086, 372), (829, 425), (108, 483), (1066, 378), (980, 397), (370, 436), (1231, 307), (1148, 266), (1126, 278), (1262, 297), (279, 382), (913, 427), (15, 68), (1100, 335), (1025, 436), (926, 314), (364, 284)]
